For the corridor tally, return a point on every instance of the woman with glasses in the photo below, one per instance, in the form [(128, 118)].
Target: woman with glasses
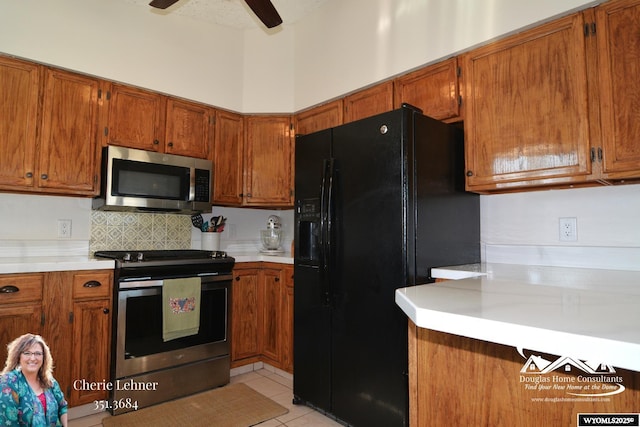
[(29, 395)]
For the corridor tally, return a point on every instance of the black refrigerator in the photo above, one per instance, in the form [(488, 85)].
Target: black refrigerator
[(379, 202)]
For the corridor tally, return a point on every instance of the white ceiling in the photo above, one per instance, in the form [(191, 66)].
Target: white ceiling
[(233, 13)]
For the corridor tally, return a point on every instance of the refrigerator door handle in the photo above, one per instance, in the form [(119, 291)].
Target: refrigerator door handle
[(326, 206)]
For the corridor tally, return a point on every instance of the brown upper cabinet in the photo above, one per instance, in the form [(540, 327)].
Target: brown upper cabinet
[(526, 115), (228, 162), (136, 118), (19, 107), (253, 161), (368, 102), (618, 47), (190, 129), (268, 161), (555, 105), (62, 124), (324, 116), (150, 121), (69, 149), (433, 89)]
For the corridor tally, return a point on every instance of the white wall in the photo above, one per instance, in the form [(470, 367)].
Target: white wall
[(348, 44), (126, 43), (344, 45), (524, 227)]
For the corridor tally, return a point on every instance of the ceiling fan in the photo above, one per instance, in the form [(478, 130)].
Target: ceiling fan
[(263, 9)]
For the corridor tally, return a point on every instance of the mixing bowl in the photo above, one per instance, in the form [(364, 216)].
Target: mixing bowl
[(271, 238)]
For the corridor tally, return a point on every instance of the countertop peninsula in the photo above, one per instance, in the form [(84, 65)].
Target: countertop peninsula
[(587, 314)]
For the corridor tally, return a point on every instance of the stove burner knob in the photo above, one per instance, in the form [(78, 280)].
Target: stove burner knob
[(140, 256), (126, 257)]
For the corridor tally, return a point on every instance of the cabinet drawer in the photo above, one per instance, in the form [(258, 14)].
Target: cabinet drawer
[(20, 288), (92, 285)]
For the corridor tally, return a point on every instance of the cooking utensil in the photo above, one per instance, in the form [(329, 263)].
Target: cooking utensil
[(197, 221)]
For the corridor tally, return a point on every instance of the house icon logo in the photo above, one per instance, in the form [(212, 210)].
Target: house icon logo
[(539, 365)]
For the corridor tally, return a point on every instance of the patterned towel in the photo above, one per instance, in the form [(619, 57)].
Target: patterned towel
[(180, 308)]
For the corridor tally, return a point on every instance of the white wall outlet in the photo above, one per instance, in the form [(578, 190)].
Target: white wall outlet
[(64, 228), (568, 229)]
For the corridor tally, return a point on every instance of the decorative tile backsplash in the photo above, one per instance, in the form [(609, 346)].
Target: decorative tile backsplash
[(132, 230)]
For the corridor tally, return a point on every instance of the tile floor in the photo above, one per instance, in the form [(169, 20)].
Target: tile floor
[(268, 382)]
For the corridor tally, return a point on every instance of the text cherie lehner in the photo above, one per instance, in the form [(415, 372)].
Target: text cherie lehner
[(85, 385)]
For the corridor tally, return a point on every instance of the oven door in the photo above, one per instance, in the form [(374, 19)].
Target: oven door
[(139, 344)]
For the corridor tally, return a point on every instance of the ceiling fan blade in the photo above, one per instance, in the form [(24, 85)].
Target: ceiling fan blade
[(162, 4), (265, 10)]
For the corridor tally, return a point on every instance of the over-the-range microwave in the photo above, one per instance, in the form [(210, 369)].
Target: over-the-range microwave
[(138, 180)]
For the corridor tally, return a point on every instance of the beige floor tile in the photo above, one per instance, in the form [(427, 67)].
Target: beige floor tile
[(313, 419)]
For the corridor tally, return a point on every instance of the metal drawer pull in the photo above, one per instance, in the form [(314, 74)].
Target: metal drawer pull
[(9, 289), (92, 284)]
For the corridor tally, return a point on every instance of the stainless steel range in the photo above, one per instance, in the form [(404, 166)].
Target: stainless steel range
[(145, 367)]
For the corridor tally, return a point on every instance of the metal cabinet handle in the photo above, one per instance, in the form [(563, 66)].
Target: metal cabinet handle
[(29, 175), (277, 279), (9, 289), (92, 284), (237, 278), (469, 173), (170, 144), (105, 310), (44, 176), (156, 142)]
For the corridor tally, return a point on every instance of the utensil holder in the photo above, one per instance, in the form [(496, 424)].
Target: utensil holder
[(211, 241)]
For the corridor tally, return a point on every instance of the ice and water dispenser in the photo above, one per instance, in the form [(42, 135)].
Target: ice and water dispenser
[(308, 230)]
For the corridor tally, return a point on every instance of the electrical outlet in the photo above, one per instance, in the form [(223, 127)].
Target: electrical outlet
[(64, 228), (568, 229)]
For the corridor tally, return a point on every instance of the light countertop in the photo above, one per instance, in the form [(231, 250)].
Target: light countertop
[(38, 264), (587, 314), (284, 258)]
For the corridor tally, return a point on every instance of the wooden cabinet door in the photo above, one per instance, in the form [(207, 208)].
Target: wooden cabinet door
[(318, 118), (91, 347), (618, 41), (136, 118), (189, 129), (272, 290), (245, 317), (286, 334), (268, 161), (228, 159), (369, 102), (19, 98), (68, 155), (78, 329), (433, 89), (526, 110)]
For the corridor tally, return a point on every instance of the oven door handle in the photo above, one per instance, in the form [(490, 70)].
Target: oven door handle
[(144, 282), (140, 284)]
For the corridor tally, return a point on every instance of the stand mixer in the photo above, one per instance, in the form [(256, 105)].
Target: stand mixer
[(272, 236)]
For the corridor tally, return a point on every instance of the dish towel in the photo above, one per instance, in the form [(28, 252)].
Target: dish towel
[(180, 308)]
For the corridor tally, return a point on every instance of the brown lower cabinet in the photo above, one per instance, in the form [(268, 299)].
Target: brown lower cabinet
[(262, 315), (459, 381), (72, 312)]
